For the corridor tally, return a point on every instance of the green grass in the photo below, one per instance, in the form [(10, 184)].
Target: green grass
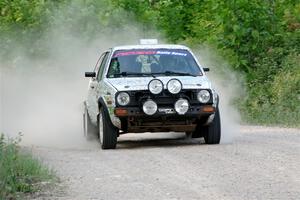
[(20, 172)]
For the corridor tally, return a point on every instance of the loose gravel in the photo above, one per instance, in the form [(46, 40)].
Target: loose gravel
[(261, 163)]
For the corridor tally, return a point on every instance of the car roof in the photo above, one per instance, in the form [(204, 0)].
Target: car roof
[(152, 46)]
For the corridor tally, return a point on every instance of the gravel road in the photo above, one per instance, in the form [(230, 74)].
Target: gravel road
[(261, 163)]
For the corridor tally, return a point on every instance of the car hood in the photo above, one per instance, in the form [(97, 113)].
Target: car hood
[(141, 83)]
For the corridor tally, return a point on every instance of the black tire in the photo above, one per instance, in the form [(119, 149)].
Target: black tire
[(108, 133), (90, 131), (212, 132), (188, 134), (198, 132)]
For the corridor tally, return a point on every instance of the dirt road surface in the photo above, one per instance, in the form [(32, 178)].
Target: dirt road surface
[(261, 163)]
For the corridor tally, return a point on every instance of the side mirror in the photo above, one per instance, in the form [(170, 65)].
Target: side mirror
[(206, 69), (90, 74)]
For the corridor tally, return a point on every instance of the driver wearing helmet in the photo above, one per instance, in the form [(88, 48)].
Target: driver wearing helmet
[(167, 62)]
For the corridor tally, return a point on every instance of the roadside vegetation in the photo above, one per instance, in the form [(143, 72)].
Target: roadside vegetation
[(258, 39), (20, 173)]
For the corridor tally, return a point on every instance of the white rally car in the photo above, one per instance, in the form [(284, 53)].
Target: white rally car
[(150, 88)]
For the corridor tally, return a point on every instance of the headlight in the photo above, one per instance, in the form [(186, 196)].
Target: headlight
[(123, 98), (149, 107), (174, 86), (203, 96), (155, 86), (181, 106)]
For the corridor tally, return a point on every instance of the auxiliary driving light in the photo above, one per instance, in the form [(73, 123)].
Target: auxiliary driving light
[(149, 107), (181, 106), (155, 86), (174, 86)]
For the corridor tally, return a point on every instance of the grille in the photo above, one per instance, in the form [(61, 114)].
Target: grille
[(163, 99)]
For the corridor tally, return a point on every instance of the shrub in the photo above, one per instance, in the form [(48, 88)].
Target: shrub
[(19, 171)]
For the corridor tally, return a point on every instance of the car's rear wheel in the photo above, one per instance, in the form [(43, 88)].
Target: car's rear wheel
[(212, 132), (90, 131), (108, 133)]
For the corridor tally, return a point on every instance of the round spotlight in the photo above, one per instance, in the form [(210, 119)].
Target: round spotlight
[(181, 106), (203, 96), (149, 107), (174, 86), (123, 98), (155, 86)]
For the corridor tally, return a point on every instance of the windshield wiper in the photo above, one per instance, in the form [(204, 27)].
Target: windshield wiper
[(178, 73), (168, 73), (133, 74)]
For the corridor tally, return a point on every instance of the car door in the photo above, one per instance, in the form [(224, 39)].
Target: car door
[(94, 90)]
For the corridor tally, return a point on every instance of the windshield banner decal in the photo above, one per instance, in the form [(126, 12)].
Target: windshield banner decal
[(161, 52)]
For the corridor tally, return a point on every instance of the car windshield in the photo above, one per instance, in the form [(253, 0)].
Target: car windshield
[(144, 62)]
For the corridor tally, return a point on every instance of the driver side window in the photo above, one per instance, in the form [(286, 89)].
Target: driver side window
[(102, 66)]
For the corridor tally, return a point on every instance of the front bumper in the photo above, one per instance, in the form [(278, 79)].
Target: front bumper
[(133, 119), (194, 111)]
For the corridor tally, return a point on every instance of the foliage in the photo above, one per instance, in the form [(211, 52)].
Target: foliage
[(29, 24), (279, 97), (259, 39), (19, 171)]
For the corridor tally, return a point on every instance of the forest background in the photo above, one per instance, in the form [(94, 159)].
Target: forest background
[(258, 39)]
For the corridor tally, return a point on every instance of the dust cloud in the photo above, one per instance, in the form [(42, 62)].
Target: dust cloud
[(229, 85), (42, 98)]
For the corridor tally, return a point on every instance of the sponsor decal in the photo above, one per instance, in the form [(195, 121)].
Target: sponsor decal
[(160, 52), (128, 53), (171, 53), (107, 98), (167, 110), (163, 52), (178, 54), (110, 110)]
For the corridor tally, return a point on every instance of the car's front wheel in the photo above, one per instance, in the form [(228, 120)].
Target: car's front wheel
[(108, 133), (212, 132), (188, 134)]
